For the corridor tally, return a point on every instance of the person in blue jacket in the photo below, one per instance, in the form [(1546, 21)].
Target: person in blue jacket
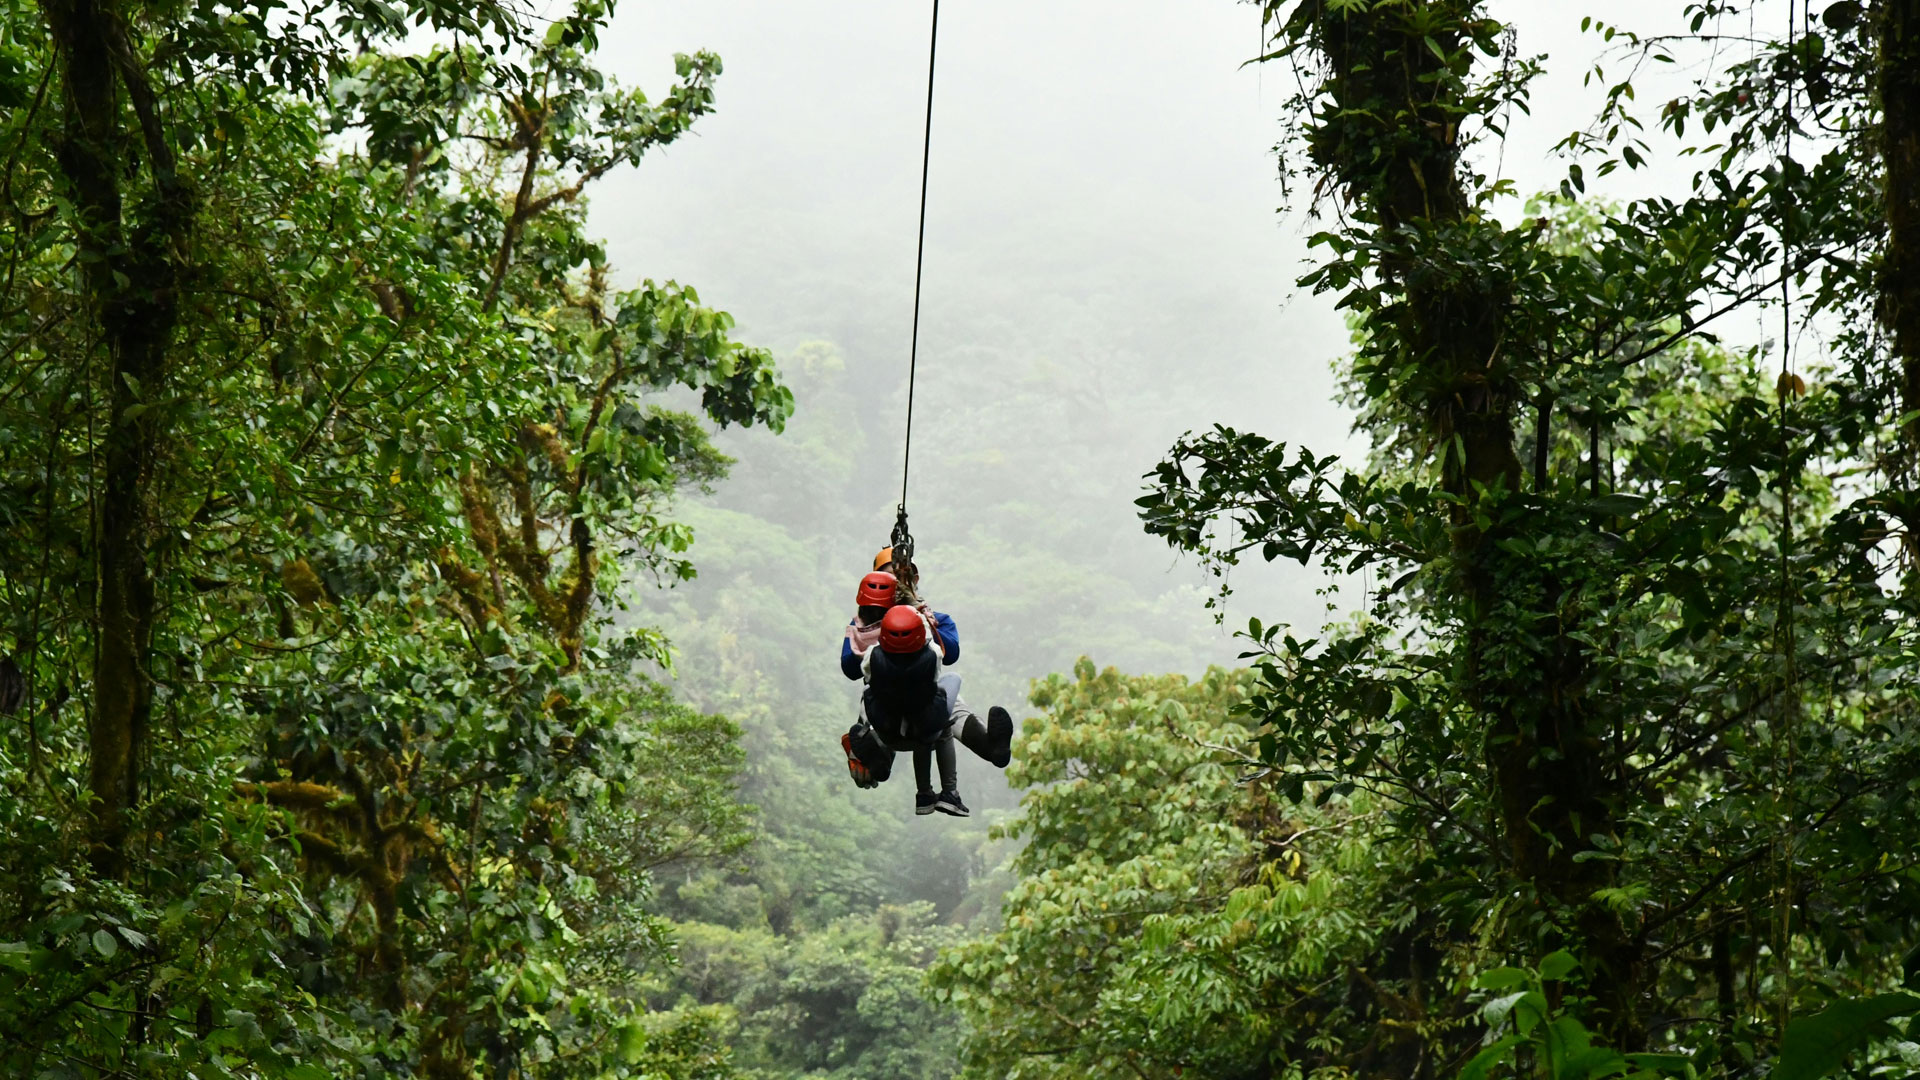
[(908, 703)]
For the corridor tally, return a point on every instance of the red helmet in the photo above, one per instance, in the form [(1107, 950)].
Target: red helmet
[(902, 630), (876, 590)]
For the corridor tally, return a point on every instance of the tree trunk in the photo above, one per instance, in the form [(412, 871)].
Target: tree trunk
[(1389, 142), (1897, 27), (131, 277)]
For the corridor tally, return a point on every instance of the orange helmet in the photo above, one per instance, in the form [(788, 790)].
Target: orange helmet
[(902, 630), (876, 590), (883, 560)]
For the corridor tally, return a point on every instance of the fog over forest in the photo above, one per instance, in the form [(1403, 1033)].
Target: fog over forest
[(1110, 261), (1101, 218)]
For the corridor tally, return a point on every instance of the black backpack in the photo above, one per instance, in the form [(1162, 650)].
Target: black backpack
[(868, 762), (904, 700)]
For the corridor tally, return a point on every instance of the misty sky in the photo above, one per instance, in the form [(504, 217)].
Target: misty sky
[(1111, 157)]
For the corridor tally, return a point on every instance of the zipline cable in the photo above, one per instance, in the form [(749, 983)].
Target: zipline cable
[(919, 257), (902, 538)]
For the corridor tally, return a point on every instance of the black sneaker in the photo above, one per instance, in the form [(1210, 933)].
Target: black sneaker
[(923, 803), (999, 737), (948, 802)]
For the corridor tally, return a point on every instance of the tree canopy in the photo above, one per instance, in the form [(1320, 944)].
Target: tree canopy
[(344, 735), (1635, 672), (328, 452)]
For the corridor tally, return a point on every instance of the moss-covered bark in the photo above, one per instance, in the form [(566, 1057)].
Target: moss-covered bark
[(1395, 80), (131, 259), (1897, 28)]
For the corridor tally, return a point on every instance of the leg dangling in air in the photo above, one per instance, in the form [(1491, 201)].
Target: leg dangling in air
[(993, 740), (923, 798), (948, 801), (949, 765)]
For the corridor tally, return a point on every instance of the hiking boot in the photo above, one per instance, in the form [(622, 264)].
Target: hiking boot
[(862, 776), (991, 742), (923, 802), (999, 737), (948, 802)]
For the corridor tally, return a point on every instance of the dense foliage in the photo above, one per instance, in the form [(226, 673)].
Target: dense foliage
[(1636, 670), (326, 450), (1167, 916), (842, 1001), (343, 736)]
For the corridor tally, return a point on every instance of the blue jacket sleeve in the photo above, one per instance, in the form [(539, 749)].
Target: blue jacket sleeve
[(949, 636), (849, 660)]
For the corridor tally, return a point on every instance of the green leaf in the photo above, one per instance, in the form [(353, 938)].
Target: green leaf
[(1591, 1062), (633, 1041), (1484, 1061), (1558, 966), (1842, 15), (105, 944), (1817, 1045), (1619, 504), (1661, 1063), (1501, 978)]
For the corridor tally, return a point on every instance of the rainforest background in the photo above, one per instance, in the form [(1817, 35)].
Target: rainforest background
[(418, 595)]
